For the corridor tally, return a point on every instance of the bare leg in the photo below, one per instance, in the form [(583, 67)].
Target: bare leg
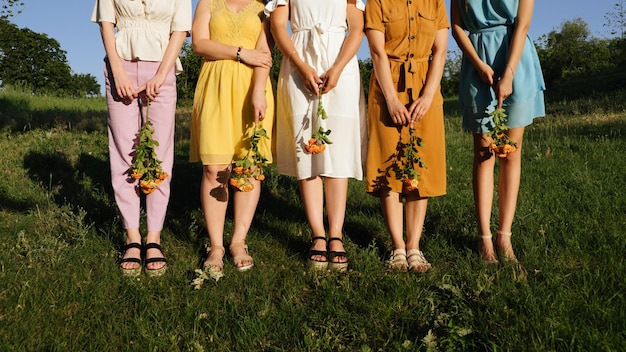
[(393, 210), (336, 198), (312, 193), (415, 210), (508, 189), (482, 175), (245, 204), (214, 198)]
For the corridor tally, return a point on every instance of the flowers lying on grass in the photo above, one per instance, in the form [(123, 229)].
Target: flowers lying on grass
[(501, 144), (252, 165), (147, 167), (407, 160), (319, 139)]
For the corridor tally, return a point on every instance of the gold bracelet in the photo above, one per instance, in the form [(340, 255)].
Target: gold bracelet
[(511, 68)]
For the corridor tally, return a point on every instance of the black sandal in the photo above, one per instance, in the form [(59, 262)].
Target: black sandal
[(339, 266), (317, 264), (155, 272), (132, 272)]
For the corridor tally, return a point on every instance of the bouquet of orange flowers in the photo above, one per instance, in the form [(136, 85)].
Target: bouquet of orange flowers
[(501, 144), (147, 167), (407, 159), (252, 165), (319, 139)]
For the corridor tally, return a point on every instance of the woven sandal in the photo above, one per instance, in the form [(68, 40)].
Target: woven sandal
[(159, 271), (132, 272), (332, 264), (316, 264)]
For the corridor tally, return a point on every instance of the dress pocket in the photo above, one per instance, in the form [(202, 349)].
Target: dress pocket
[(395, 21)]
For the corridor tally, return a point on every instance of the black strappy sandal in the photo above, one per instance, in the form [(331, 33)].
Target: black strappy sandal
[(317, 264), (155, 272), (339, 266), (132, 272)]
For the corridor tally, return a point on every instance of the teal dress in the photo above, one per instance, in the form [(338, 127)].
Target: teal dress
[(490, 27)]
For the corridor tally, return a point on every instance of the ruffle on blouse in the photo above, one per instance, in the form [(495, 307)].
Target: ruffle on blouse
[(273, 4)]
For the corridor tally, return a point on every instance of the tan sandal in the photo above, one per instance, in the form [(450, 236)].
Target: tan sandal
[(417, 262), (214, 267), (238, 259), (397, 261), (481, 251)]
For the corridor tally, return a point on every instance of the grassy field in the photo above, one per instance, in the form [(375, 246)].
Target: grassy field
[(60, 235)]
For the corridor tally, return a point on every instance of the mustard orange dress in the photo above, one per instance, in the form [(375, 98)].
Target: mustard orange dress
[(410, 28), (222, 117)]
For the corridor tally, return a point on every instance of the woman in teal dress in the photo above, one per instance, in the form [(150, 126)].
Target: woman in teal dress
[(500, 69)]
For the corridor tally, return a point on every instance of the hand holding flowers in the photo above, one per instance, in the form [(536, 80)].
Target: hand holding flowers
[(252, 165), (147, 167), (319, 139)]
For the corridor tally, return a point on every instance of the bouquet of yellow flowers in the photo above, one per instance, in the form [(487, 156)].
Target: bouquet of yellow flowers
[(501, 144), (319, 139), (407, 159), (252, 165), (147, 167)]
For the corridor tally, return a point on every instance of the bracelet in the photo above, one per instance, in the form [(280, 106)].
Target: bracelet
[(239, 53), (511, 68)]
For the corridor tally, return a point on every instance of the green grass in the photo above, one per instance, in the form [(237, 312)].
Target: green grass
[(60, 235)]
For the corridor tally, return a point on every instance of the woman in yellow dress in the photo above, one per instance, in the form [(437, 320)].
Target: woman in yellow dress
[(233, 96)]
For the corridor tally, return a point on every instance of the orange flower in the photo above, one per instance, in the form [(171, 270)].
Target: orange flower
[(163, 176), (260, 177), (238, 170), (410, 183), (136, 174)]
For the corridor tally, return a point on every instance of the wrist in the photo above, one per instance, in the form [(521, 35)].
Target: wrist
[(238, 55)]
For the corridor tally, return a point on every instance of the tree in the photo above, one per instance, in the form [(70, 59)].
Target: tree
[(7, 6), (616, 20), (36, 61), (572, 52)]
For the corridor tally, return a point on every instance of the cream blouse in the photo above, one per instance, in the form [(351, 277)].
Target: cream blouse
[(143, 27)]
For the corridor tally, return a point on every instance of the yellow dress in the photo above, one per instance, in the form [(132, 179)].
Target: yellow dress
[(222, 117)]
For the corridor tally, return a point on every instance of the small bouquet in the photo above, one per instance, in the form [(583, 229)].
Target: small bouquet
[(147, 167), (252, 165), (501, 144), (319, 139), (407, 159)]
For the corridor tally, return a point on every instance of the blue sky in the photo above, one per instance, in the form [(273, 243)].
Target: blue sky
[(68, 22)]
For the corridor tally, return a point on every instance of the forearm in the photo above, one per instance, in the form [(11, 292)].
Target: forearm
[(172, 51), (382, 69), (436, 65), (353, 40)]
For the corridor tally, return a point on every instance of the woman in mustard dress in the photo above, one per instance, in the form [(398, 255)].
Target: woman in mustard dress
[(408, 43), (233, 95)]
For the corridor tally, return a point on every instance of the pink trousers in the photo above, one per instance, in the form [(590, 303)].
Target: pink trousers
[(124, 122)]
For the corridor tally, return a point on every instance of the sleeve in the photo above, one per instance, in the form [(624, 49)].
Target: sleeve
[(103, 11), (442, 16), (273, 4), (181, 22), (360, 5), (374, 15)]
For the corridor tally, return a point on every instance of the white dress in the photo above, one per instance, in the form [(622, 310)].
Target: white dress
[(318, 30)]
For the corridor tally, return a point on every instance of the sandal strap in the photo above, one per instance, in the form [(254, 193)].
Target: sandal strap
[(153, 245), (316, 252), (132, 245)]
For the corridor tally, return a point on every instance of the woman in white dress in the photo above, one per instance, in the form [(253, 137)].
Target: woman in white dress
[(320, 66)]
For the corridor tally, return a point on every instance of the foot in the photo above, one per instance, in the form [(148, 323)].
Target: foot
[(130, 264), (416, 261), (317, 256), (337, 256), (397, 261), (242, 260), (485, 250), (214, 263), (156, 264), (505, 248)]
